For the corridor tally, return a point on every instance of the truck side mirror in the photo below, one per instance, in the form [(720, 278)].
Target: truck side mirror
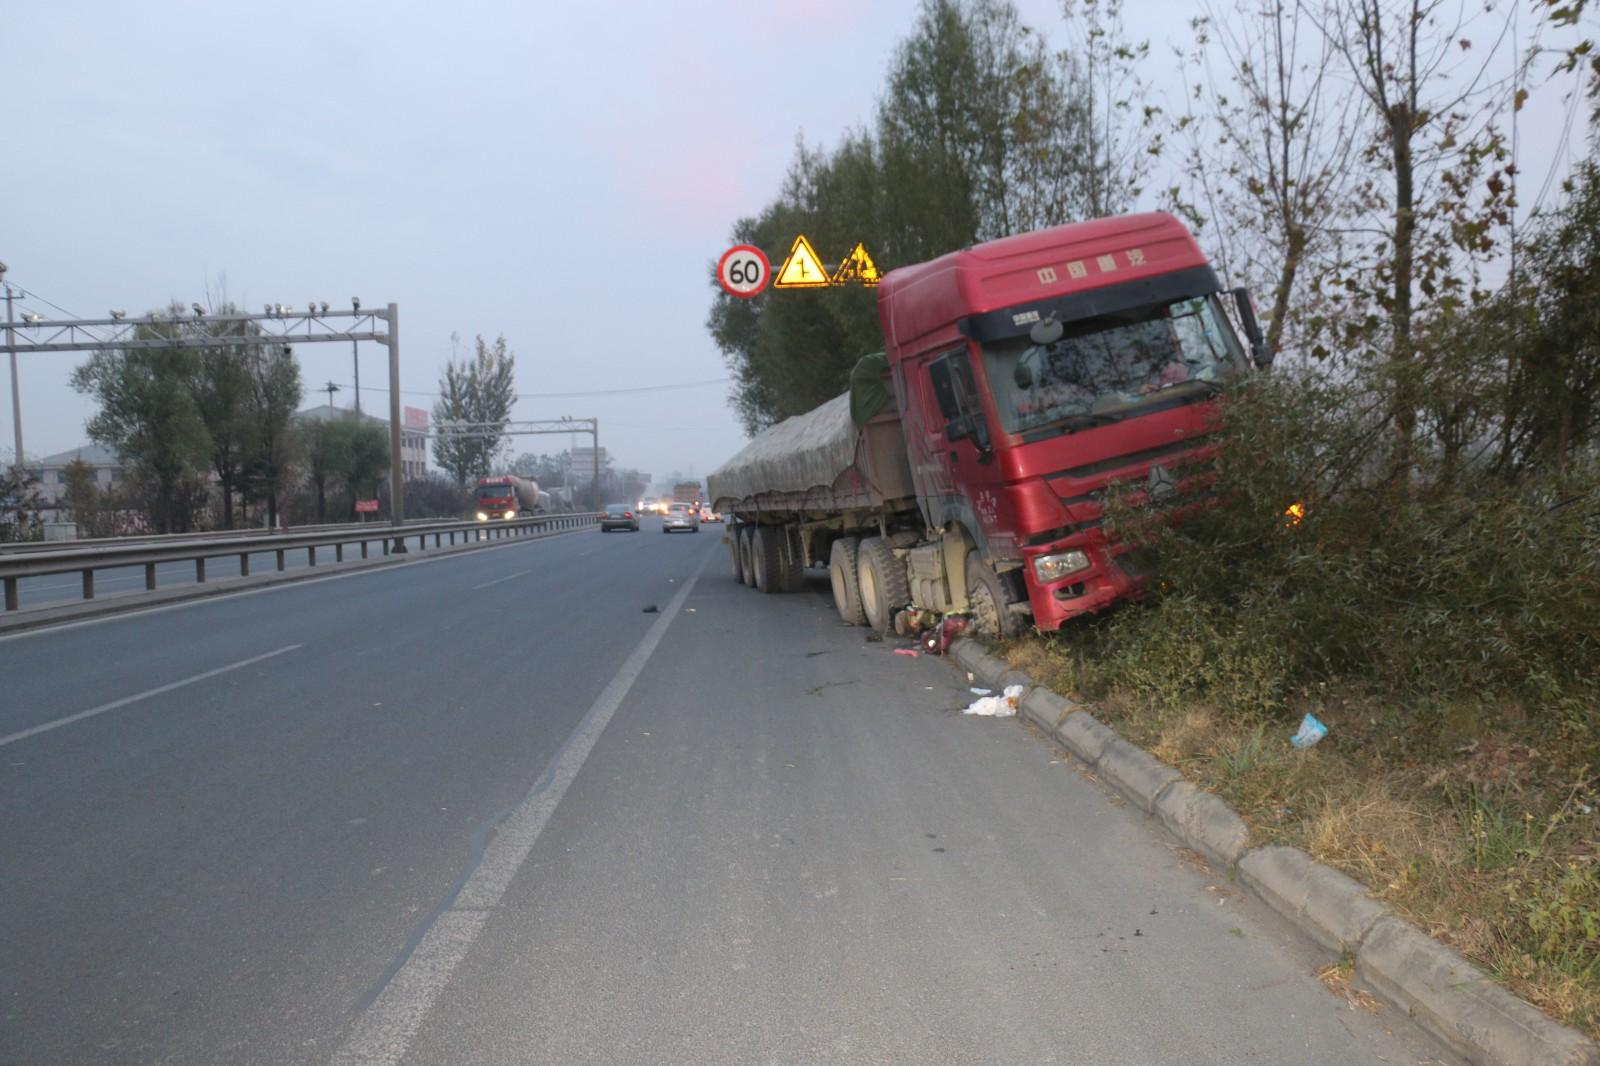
[(1252, 329)]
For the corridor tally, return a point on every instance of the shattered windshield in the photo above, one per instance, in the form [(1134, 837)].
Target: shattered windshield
[(1104, 368)]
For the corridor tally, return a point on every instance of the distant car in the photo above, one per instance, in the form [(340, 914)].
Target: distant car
[(681, 516), (619, 516), (708, 515)]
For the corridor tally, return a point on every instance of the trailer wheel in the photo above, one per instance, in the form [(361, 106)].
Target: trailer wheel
[(988, 596), (733, 553), (884, 588), (846, 583), (765, 558), (747, 569), (791, 560)]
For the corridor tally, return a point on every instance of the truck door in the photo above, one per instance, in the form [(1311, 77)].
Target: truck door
[(962, 443)]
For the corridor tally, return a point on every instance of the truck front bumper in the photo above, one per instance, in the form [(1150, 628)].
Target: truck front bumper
[(1109, 577)]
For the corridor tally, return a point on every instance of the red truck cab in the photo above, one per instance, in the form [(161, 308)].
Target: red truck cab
[(1034, 371), (496, 498)]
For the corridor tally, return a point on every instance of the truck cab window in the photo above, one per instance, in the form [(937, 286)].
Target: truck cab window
[(953, 387)]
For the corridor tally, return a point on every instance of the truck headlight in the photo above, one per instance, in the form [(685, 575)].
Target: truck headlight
[(482, 517), (1048, 568), (511, 514)]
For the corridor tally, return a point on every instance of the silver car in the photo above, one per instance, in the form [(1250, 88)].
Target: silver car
[(681, 516)]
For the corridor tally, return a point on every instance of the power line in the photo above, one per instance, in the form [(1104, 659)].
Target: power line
[(574, 395)]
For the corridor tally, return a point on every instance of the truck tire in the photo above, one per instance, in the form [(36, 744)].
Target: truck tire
[(733, 553), (747, 571), (988, 597), (766, 558), (792, 569), (884, 588), (846, 584)]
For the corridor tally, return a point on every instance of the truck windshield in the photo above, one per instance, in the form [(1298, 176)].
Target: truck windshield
[(1106, 368), (493, 492)]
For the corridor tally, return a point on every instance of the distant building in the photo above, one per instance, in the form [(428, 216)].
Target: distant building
[(52, 470), (413, 434)]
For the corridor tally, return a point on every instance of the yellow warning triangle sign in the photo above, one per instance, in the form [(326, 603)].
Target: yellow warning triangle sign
[(857, 266), (802, 270)]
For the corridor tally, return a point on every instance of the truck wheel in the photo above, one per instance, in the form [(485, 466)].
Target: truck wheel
[(792, 562), (884, 588), (988, 596), (846, 584), (764, 556), (733, 553), (747, 571)]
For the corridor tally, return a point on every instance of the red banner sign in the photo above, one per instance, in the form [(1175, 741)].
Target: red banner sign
[(366, 507)]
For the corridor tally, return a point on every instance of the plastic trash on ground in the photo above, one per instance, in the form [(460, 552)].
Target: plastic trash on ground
[(910, 653), (1001, 706), (1309, 733)]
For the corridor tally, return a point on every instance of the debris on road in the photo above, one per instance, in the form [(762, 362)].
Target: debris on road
[(1001, 706), (910, 653), (652, 609), (1309, 733), (981, 691)]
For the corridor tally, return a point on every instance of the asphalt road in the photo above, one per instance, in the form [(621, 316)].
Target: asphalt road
[(492, 808)]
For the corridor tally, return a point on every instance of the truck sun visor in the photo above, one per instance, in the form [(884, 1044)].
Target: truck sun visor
[(1015, 321)]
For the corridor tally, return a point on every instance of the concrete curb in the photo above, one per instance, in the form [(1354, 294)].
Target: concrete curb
[(1134, 772), (1435, 985), (1203, 821), (1460, 1004), (1331, 908)]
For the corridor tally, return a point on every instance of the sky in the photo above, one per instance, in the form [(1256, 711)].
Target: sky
[(562, 174)]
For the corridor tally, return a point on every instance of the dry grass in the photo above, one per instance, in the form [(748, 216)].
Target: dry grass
[(1490, 841), (1336, 978)]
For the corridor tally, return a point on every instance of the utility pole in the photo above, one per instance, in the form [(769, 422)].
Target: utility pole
[(11, 349), (397, 507), (594, 504), (355, 361), (330, 388)]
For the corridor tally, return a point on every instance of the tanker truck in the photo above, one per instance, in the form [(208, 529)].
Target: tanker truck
[(964, 471), (509, 497)]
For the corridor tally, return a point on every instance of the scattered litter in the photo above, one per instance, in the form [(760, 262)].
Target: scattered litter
[(1001, 706), (970, 677), (981, 691), (652, 609), (1585, 808), (1309, 733), (689, 609), (910, 653)]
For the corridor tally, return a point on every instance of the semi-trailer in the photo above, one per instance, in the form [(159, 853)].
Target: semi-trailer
[(965, 470)]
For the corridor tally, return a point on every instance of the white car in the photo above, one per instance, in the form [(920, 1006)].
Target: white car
[(680, 516)]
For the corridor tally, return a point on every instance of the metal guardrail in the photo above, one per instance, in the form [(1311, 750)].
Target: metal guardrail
[(209, 534), (70, 560)]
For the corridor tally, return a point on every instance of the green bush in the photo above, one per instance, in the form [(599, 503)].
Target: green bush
[(1437, 586)]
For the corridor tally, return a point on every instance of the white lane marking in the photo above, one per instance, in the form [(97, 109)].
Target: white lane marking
[(496, 581), (384, 1032), (12, 738), (123, 616)]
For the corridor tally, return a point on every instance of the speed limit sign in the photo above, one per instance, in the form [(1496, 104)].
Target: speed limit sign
[(744, 270)]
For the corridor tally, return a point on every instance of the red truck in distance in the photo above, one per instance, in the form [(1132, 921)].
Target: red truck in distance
[(500, 498), (966, 468)]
